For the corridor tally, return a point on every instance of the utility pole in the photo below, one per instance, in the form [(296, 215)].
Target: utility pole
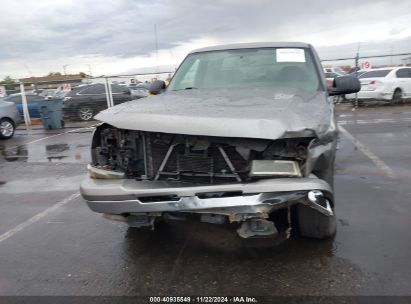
[(156, 45), (64, 69), (357, 57)]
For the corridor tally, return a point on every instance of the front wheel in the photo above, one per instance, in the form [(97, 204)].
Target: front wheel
[(314, 224), (85, 113), (6, 128)]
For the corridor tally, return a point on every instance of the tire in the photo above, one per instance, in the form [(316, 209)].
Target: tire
[(397, 96), (7, 128), (313, 224), (85, 113)]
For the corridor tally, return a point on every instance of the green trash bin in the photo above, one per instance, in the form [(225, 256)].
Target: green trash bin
[(51, 113)]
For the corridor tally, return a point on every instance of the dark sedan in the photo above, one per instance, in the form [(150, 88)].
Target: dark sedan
[(83, 102)]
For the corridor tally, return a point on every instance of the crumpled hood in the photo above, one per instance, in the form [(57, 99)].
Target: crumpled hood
[(251, 113)]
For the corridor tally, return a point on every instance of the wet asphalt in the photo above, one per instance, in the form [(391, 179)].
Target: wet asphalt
[(73, 251)]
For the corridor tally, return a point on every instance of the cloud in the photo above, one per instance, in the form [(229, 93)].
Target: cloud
[(112, 35)]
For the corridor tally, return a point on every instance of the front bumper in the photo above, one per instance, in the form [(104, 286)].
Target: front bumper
[(234, 200)]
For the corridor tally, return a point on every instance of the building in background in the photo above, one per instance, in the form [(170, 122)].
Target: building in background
[(51, 81)]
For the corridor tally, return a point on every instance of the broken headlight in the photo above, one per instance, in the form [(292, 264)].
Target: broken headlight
[(101, 173), (266, 168)]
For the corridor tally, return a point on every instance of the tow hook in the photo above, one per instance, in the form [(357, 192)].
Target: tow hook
[(317, 201), (257, 227)]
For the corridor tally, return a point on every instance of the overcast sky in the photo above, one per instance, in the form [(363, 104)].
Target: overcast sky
[(117, 36)]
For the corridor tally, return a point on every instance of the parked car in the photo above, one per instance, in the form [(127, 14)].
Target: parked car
[(140, 90), (83, 102), (9, 119), (330, 76), (391, 83), (32, 103), (336, 70), (244, 133), (331, 73), (49, 93)]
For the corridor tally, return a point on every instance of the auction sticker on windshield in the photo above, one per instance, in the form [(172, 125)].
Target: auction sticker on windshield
[(290, 55)]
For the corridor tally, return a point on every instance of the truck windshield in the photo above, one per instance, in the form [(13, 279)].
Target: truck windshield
[(288, 68)]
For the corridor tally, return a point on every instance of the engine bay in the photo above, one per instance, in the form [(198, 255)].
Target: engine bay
[(187, 158)]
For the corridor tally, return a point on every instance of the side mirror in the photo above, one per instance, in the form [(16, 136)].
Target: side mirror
[(157, 87), (344, 85)]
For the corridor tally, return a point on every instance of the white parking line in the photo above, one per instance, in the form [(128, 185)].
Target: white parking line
[(37, 217), (364, 149), (373, 121)]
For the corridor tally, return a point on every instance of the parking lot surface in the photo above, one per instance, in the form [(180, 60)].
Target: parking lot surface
[(52, 244)]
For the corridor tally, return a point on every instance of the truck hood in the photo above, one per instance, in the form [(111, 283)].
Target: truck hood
[(246, 113)]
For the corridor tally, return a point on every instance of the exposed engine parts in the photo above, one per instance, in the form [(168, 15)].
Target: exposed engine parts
[(192, 159)]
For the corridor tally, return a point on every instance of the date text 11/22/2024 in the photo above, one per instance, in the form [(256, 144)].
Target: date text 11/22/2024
[(203, 299)]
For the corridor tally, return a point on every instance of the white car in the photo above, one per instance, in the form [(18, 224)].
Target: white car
[(390, 83)]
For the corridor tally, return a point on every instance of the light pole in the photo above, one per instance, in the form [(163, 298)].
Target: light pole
[(89, 69), (64, 69)]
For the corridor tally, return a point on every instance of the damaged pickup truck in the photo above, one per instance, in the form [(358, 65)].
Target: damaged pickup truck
[(243, 134)]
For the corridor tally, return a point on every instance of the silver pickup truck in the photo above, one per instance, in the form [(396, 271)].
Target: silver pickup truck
[(243, 134)]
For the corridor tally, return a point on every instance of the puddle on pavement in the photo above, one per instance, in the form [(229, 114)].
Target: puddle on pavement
[(46, 153), (17, 154), (57, 148), (290, 267), (55, 158)]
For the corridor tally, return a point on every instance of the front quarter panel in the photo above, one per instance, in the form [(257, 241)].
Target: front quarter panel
[(321, 153)]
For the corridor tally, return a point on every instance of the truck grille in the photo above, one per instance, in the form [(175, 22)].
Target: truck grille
[(195, 163), (205, 166)]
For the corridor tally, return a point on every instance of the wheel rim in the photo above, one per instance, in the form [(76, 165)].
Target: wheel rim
[(6, 128), (86, 113)]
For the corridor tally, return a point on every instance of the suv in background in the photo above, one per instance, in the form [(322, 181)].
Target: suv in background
[(244, 134), (83, 102)]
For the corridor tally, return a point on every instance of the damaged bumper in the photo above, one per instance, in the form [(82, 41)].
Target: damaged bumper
[(239, 201)]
